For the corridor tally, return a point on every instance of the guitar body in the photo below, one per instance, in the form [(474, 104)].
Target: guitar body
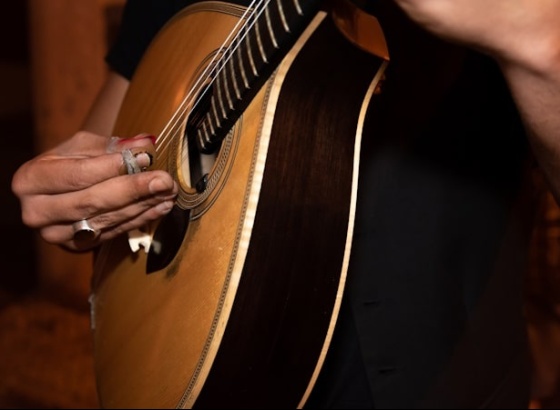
[(240, 313)]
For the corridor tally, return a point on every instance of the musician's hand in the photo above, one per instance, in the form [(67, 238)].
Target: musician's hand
[(523, 36), (84, 178), (520, 32)]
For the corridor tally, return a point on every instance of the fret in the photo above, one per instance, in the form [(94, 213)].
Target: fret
[(233, 79), (242, 68), (283, 18), (250, 55), (214, 111), (270, 29), (209, 122), (205, 129), (259, 38), (226, 88), (219, 96), (298, 7), (203, 139)]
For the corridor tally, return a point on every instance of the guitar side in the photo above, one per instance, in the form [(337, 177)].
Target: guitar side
[(242, 314)]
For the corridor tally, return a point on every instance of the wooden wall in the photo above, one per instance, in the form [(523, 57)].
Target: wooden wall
[(68, 41)]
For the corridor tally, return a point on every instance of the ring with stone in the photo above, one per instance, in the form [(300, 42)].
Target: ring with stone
[(84, 232)]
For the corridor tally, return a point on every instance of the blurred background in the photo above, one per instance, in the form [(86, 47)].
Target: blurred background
[(51, 66)]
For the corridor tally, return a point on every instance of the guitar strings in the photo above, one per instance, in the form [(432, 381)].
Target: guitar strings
[(247, 21), (205, 75)]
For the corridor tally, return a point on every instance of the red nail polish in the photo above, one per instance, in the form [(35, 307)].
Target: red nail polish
[(137, 137)]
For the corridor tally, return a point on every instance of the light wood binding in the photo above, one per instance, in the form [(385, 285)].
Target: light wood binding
[(242, 316)]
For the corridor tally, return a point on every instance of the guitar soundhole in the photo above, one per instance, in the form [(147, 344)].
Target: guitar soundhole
[(167, 239)]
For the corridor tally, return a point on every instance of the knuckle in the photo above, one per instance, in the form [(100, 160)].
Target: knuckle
[(87, 206), (103, 221), (18, 183), (30, 217), (81, 177)]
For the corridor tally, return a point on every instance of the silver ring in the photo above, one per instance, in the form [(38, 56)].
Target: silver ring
[(84, 232)]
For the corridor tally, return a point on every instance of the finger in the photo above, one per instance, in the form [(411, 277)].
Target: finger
[(64, 234), (139, 191), (48, 176), (82, 144), (86, 144), (117, 144)]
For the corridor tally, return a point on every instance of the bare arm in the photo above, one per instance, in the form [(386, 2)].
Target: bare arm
[(103, 113), (524, 38), (538, 97), (81, 179)]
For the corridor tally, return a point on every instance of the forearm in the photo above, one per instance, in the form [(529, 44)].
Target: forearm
[(535, 86), (104, 111), (523, 36)]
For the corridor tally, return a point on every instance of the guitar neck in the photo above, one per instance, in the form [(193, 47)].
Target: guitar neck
[(268, 32)]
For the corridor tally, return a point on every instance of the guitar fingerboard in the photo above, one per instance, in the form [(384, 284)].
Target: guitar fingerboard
[(270, 30)]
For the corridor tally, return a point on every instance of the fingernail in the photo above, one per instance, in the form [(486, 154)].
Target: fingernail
[(165, 207), (139, 137), (116, 144), (157, 185), (144, 160), (152, 137)]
